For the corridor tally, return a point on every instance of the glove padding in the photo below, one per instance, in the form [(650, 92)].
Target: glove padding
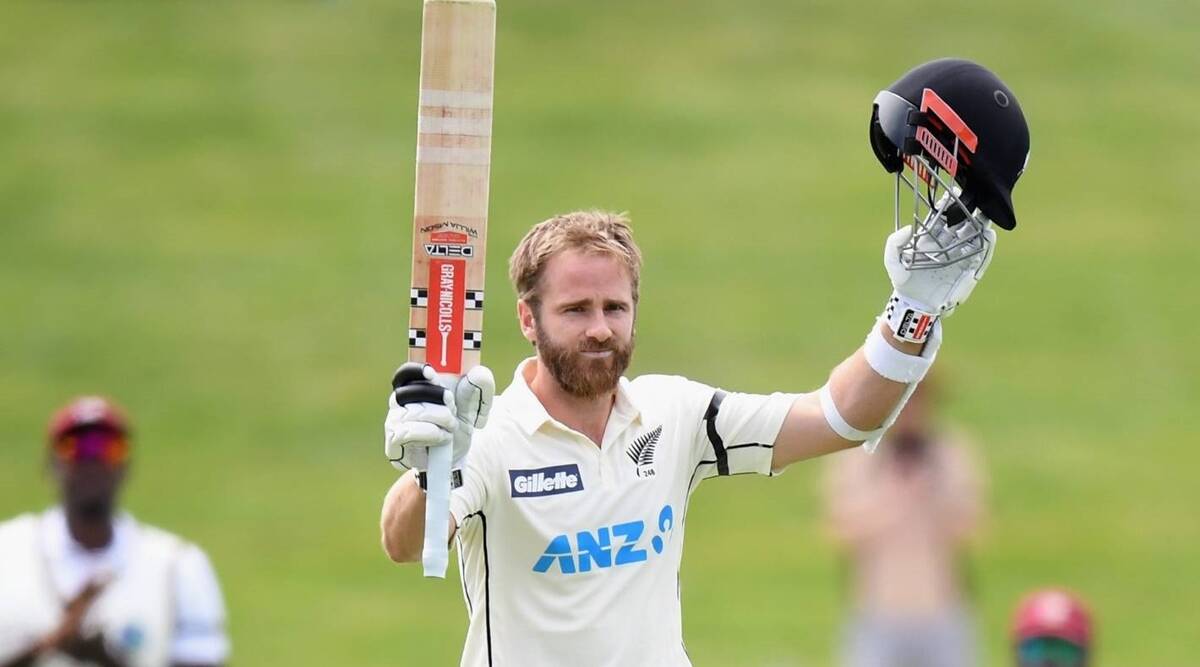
[(411, 429), (938, 291)]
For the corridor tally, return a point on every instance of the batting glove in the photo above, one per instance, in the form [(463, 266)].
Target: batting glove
[(921, 296), (473, 395), (422, 413)]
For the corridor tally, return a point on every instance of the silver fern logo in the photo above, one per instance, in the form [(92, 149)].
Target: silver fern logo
[(641, 452)]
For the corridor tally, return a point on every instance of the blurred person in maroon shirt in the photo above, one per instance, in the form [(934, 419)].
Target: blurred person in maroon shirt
[(1052, 628), (903, 516)]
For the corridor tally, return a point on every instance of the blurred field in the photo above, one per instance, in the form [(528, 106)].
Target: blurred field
[(205, 210)]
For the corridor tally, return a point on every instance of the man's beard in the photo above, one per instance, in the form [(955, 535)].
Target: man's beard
[(581, 376)]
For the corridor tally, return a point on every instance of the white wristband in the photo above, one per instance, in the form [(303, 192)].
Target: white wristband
[(838, 424), (896, 365), (909, 320)]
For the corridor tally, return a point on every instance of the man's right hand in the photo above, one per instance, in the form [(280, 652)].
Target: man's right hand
[(69, 630), (417, 420)]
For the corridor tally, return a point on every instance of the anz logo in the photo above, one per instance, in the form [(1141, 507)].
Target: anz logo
[(607, 546)]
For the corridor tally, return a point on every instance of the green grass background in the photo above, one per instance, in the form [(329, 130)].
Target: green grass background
[(205, 212)]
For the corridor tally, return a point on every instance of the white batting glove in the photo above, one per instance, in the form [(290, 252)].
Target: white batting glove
[(473, 395), (412, 428), (921, 296)]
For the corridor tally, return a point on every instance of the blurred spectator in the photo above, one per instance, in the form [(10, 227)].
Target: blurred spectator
[(1052, 628), (903, 516), (85, 585)]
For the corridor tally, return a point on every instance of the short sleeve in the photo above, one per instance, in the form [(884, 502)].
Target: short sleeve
[(738, 431), (199, 636)]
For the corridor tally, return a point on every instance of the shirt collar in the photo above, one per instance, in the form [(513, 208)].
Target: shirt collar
[(531, 415), (58, 535), (72, 565)]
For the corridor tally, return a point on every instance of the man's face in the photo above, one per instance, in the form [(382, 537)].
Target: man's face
[(583, 326), (89, 465)]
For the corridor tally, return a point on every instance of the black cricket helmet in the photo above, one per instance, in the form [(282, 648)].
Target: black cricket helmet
[(962, 134)]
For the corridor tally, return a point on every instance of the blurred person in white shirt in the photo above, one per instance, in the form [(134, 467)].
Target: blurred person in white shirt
[(86, 584)]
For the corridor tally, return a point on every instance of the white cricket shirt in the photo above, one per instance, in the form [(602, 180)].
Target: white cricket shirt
[(570, 552), (163, 604)]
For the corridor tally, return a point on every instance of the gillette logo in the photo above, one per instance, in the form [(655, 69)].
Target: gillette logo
[(545, 481)]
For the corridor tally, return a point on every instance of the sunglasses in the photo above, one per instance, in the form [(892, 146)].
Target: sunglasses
[(1050, 652), (92, 445)]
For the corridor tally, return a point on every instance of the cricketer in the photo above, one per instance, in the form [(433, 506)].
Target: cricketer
[(573, 484), (84, 583)]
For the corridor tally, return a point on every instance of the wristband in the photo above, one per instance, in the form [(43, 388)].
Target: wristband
[(896, 365), (838, 424), (909, 320), (455, 479)]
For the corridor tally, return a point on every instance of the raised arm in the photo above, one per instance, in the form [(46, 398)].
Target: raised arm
[(402, 525), (964, 498), (866, 391), (410, 429), (863, 397)]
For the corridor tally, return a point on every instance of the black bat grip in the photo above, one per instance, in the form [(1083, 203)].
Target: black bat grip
[(410, 386)]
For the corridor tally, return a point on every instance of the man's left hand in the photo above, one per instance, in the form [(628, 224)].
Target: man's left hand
[(938, 291)]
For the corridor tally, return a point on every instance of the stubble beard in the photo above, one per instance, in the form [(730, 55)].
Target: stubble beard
[(581, 376)]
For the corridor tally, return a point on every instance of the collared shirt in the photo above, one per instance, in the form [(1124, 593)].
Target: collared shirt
[(59, 567), (570, 552)]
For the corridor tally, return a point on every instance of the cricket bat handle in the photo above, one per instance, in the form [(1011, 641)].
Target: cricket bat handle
[(434, 555)]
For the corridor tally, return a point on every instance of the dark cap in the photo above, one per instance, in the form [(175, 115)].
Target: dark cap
[(87, 412)]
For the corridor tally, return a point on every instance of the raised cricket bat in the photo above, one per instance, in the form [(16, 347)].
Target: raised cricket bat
[(454, 146)]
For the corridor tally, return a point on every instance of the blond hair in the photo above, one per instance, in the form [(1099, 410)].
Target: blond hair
[(600, 232)]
